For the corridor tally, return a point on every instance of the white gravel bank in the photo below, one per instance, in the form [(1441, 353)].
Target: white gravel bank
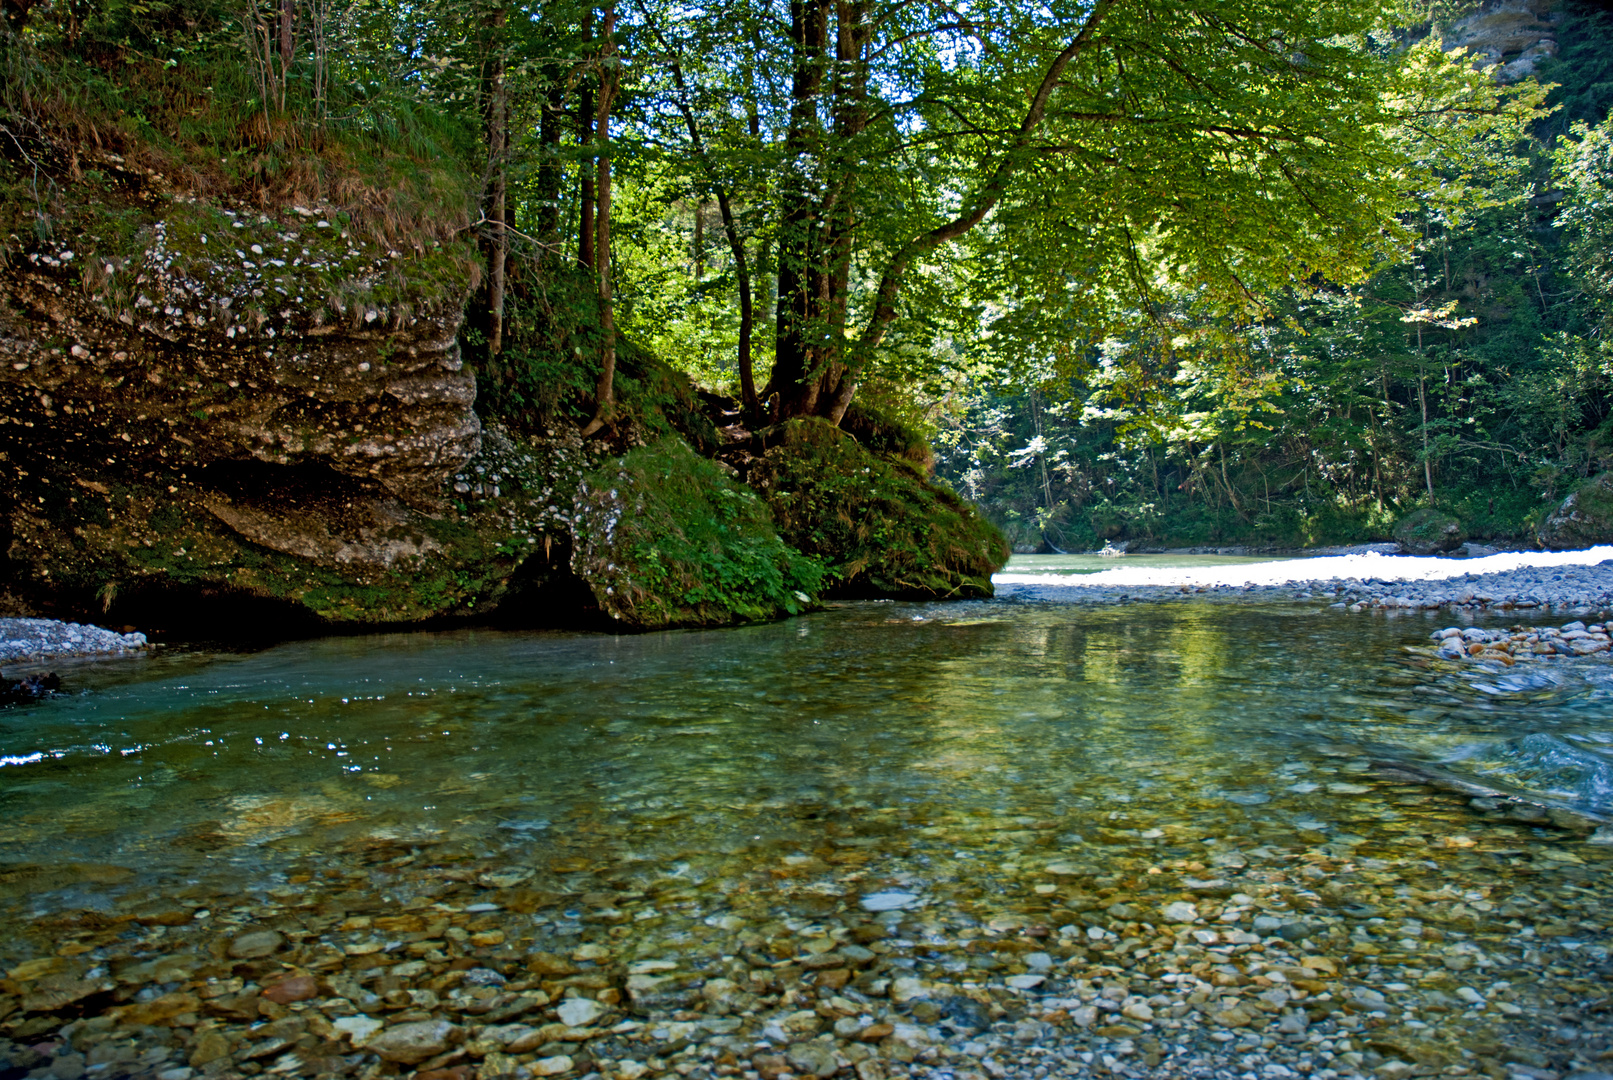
[(1520, 579), (47, 639)]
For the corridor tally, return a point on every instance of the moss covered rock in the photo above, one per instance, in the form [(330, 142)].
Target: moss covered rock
[(886, 435), (1429, 532), (665, 538), (1584, 519), (877, 523)]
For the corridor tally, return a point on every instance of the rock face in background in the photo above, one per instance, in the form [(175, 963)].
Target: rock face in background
[(1584, 519), (1510, 38), (1429, 532)]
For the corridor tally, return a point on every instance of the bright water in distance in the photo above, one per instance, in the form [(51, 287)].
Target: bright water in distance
[(997, 761), (1076, 564)]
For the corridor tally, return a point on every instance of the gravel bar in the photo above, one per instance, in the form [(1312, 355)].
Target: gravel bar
[(1580, 581), (47, 639)]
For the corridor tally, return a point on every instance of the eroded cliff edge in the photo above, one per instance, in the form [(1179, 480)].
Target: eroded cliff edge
[(205, 404)]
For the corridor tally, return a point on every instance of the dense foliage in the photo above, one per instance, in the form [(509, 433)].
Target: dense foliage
[(1468, 371), (1203, 272)]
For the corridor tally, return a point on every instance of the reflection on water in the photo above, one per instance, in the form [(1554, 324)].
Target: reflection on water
[(1219, 721)]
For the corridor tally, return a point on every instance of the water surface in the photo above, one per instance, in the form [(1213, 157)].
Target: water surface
[(1003, 766)]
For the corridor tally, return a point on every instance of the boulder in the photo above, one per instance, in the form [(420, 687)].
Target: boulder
[(1582, 520), (665, 538), (1429, 532), (877, 522)]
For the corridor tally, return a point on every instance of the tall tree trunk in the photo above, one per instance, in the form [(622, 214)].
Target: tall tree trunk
[(495, 110), (609, 80), (288, 15), (585, 170), (697, 249), (816, 370), (800, 349)]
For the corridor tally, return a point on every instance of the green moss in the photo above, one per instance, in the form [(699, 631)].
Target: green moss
[(881, 432), (878, 524), (665, 538), (1429, 531)]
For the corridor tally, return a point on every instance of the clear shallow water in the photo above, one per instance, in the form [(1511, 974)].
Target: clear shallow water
[(967, 782), (1137, 733)]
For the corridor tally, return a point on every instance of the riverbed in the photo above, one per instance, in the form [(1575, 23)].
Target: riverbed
[(977, 840)]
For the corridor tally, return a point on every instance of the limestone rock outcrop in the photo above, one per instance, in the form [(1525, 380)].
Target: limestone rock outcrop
[(1509, 38), (199, 402)]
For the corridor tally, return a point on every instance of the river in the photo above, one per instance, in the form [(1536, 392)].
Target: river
[(1024, 835)]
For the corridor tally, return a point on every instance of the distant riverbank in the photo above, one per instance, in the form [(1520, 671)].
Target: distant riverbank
[(1568, 580)]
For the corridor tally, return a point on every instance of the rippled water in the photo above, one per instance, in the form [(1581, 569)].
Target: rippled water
[(942, 742)]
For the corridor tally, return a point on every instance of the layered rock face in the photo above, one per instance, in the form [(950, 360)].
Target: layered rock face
[(221, 419), (1509, 38), (203, 402)]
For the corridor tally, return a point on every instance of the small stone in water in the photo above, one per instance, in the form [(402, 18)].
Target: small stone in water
[(409, 1044), (1248, 798), (299, 988), (1181, 912), (812, 1059), (256, 945), (359, 1027), (904, 990), (553, 1066), (579, 1012), (890, 900)]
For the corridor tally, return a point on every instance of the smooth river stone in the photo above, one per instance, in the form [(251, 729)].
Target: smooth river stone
[(579, 1012), (410, 1044), (258, 944), (359, 1027), (890, 900), (1180, 912)]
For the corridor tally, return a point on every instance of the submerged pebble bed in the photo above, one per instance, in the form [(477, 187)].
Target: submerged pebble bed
[(695, 878), (904, 945)]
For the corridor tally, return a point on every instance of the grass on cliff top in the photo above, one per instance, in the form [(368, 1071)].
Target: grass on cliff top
[(152, 102)]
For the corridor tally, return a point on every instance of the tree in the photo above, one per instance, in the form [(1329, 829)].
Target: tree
[(1098, 153)]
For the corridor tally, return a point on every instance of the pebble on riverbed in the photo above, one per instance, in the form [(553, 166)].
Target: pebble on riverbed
[(1506, 647), (1311, 959)]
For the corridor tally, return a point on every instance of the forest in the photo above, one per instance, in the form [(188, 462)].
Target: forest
[(1224, 272)]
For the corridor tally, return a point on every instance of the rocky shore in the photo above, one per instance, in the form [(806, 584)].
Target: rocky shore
[(25, 640), (1574, 581)]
